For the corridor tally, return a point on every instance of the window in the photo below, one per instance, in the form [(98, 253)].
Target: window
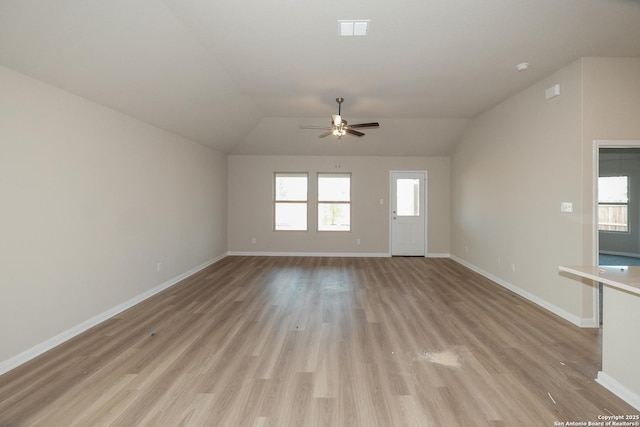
[(334, 202), (408, 197), (613, 203), (290, 201)]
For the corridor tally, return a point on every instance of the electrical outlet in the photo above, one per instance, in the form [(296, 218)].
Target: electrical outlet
[(253, 240), (158, 267), (357, 241)]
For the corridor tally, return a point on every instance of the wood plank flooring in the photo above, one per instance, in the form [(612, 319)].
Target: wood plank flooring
[(286, 341)]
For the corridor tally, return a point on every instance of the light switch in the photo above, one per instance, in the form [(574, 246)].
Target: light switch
[(566, 207)]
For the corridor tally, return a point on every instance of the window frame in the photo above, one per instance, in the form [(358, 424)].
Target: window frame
[(321, 202), (277, 201)]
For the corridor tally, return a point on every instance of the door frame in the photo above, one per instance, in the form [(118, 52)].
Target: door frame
[(425, 194), (597, 145)]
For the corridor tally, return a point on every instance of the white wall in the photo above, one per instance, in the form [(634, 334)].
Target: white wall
[(516, 164), (611, 103), (92, 200), (510, 173), (611, 100), (251, 204)]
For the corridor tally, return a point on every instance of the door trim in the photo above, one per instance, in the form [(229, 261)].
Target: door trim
[(425, 196)]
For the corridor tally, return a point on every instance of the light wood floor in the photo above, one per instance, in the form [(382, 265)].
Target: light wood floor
[(284, 341)]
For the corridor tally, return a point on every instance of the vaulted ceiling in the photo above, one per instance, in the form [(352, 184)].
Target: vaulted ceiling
[(242, 76)]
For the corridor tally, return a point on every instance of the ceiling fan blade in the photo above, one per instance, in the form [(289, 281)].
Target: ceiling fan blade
[(354, 132), (336, 119), (314, 127), (327, 133), (365, 125)]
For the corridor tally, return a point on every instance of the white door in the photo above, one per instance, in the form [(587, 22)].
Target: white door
[(408, 213)]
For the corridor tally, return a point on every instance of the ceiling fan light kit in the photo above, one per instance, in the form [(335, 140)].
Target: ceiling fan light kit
[(340, 127)]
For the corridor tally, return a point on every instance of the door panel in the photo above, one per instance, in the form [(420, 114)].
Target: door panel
[(408, 194)]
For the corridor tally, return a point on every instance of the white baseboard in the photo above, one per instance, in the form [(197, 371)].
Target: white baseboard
[(614, 386), (438, 255), (314, 254), (625, 254), (52, 342), (332, 254), (583, 323)]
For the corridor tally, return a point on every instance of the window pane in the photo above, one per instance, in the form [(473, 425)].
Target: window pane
[(334, 216), (291, 216), (334, 187), (613, 196), (291, 187), (613, 189), (612, 218), (408, 197)]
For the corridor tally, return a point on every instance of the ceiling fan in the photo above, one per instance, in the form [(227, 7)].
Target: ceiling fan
[(339, 126)]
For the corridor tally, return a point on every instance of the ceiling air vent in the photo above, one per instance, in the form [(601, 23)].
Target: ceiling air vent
[(352, 27)]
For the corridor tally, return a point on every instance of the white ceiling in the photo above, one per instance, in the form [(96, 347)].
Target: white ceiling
[(241, 76)]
